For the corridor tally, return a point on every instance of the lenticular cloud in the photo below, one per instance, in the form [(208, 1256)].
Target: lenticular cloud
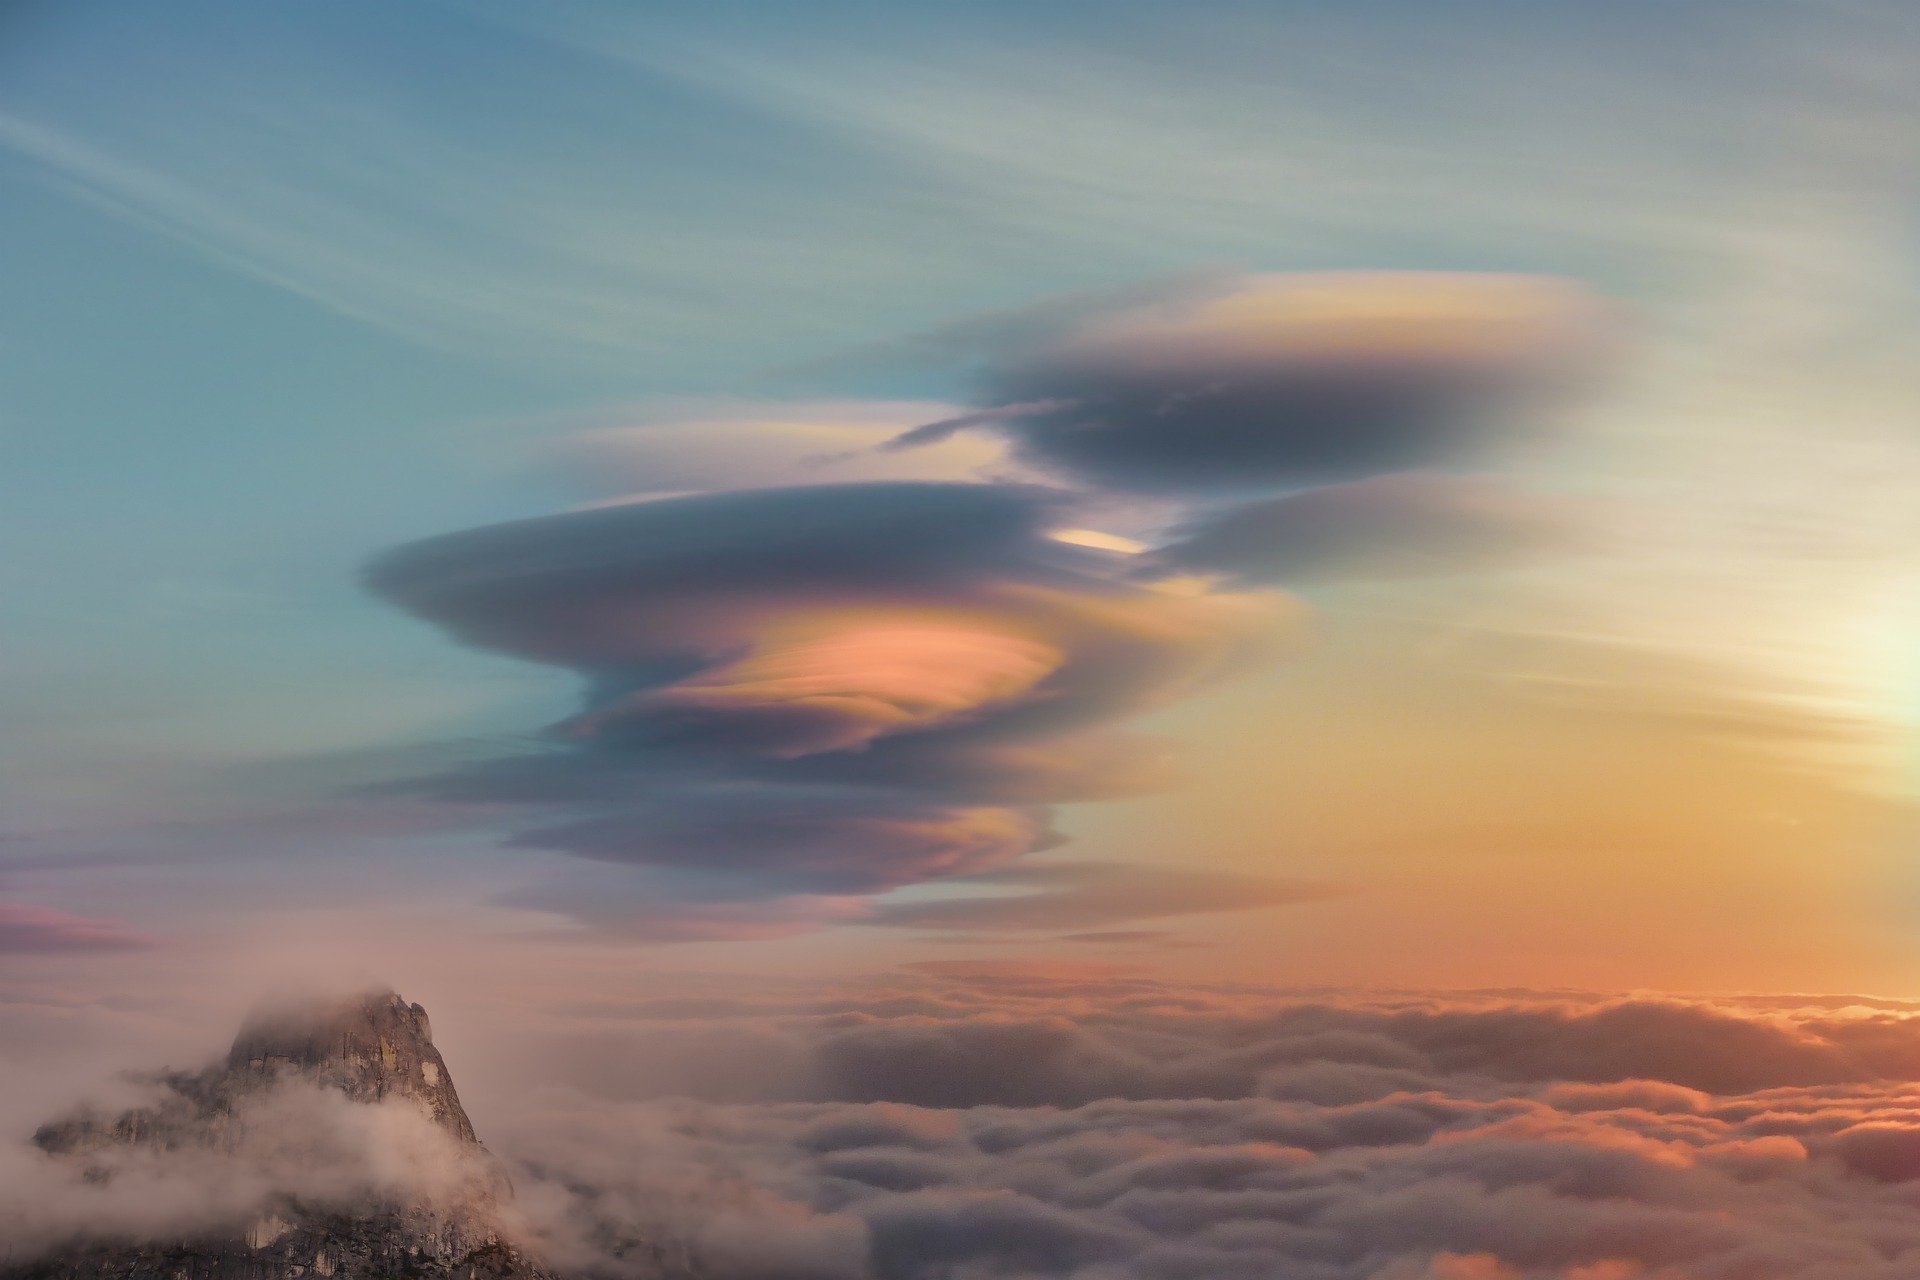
[(814, 693), (1279, 380), (796, 697)]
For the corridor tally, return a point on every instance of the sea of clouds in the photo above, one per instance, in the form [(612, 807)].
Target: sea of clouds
[(988, 1125)]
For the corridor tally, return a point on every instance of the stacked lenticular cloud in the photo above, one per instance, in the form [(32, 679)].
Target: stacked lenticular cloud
[(800, 695)]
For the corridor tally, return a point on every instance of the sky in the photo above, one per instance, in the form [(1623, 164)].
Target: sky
[(1231, 599), (549, 506), (1596, 676)]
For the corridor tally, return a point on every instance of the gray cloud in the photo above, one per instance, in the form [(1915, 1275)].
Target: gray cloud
[(655, 585), (1284, 379), (1406, 525), (788, 839)]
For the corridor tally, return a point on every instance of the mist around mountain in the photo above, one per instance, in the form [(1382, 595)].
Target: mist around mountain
[(328, 1142)]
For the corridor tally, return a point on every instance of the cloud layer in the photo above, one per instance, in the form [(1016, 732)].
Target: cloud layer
[(998, 1122), (808, 693), (704, 446), (1009, 1124), (1284, 379), (1404, 525)]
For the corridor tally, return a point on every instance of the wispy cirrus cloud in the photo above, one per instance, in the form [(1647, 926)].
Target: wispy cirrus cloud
[(1091, 896), (700, 446)]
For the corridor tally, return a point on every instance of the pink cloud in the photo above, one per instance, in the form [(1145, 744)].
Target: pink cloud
[(26, 930)]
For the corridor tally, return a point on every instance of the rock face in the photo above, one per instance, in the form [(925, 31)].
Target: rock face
[(369, 1048), (372, 1048), (319, 1247)]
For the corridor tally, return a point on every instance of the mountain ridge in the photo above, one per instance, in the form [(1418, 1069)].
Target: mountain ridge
[(301, 1084)]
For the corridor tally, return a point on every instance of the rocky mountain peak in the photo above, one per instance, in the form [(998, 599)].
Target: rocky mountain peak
[(370, 1045), (324, 1207)]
